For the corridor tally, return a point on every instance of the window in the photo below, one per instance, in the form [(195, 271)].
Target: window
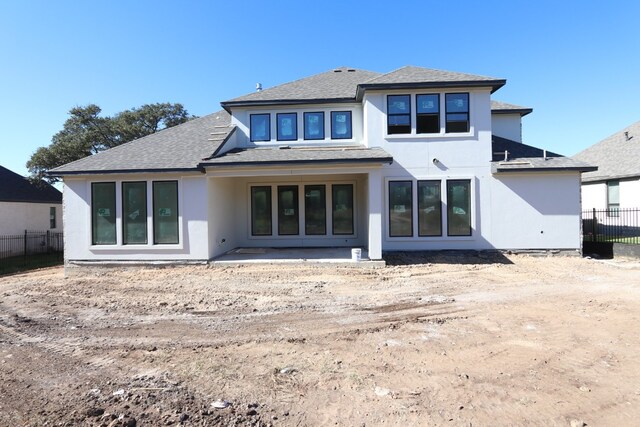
[(52, 217), (260, 127), (341, 125), (613, 198), (400, 208), (398, 114), (287, 126), (457, 108), (315, 210), (459, 207), (429, 208), (261, 211), (288, 223), (428, 113), (134, 213), (165, 212), (342, 208), (103, 213), (314, 125)]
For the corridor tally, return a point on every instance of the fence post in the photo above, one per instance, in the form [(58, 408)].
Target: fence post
[(593, 226), (25, 247), (48, 248)]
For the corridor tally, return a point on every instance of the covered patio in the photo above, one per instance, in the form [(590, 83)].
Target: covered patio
[(322, 256)]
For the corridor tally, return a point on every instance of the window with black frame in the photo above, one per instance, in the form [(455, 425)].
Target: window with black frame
[(400, 208), (342, 208), (261, 211), (134, 213), (287, 126), (429, 208), (103, 213), (428, 113), (260, 127), (315, 210), (459, 207), (313, 125), (341, 125), (288, 211), (165, 212), (398, 114), (457, 112)]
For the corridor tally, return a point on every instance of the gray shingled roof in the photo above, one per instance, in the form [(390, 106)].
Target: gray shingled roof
[(499, 107), (538, 164), (181, 147), (617, 156), (17, 188), (338, 84), (410, 76), (300, 155)]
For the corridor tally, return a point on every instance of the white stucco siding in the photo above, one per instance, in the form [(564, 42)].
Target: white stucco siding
[(594, 195), (507, 126), (223, 215), (193, 221), (535, 211), (16, 217)]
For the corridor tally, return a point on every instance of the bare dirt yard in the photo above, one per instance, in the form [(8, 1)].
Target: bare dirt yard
[(427, 340)]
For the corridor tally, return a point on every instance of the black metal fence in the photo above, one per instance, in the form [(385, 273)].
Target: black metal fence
[(32, 249), (611, 225)]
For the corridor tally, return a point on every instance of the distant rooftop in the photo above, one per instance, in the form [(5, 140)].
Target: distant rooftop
[(499, 107), (17, 188), (617, 156)]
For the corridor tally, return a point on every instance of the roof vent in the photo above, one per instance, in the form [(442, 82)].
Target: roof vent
[(351, 70), (258, 87), (627, 137), (337, 70)]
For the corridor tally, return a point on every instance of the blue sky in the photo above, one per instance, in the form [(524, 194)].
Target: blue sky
[(575, 63)]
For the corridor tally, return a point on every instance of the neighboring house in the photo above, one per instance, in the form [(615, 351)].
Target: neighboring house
[(27, 206), (399, 161), (616, 183)]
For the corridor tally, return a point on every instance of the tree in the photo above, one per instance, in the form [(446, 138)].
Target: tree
[(86, 133)]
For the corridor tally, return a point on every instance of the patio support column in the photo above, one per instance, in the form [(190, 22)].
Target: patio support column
[(375, 192)]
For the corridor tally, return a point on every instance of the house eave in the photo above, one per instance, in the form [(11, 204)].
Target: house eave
[(601, 179), (268, 163), (227, 105), (493, 84), (523, 111), (123, 171)]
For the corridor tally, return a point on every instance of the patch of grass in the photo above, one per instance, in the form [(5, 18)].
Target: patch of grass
[(20, 263)]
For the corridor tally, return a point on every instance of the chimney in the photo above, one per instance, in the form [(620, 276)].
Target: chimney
[(258, 87)]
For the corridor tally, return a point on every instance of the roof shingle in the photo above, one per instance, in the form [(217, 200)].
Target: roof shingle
[(617, 156), (180, 147), (16, 188)]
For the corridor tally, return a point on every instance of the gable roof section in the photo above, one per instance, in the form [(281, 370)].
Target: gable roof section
[(499, 107), (300, 155), (338, 85), (617, 156), (526, 158), (418, 77), (16, 188), (178, 148)]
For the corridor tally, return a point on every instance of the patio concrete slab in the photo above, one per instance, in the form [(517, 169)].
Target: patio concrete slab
[(319, 256)]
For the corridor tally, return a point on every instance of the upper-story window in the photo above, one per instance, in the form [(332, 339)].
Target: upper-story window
[(398, 114), (314, 125), (428, 113), (260, 127), (341, 125), (457, 112), (287, 126)]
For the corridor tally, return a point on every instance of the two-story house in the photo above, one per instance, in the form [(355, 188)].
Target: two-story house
[(405, 160)]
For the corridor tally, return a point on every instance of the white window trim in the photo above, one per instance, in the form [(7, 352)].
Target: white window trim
[(119, 246), (443, 194), (302, 214)]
